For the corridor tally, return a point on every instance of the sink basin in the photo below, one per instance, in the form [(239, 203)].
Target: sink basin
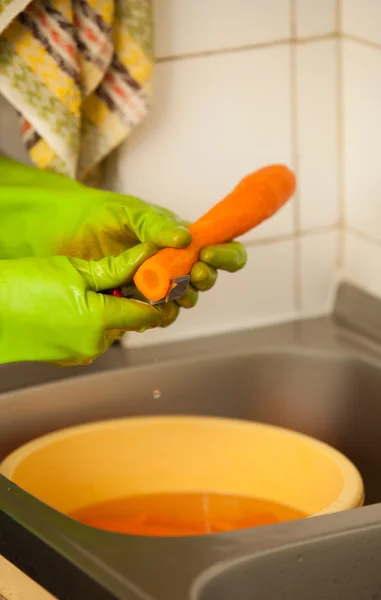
[(313, 377)]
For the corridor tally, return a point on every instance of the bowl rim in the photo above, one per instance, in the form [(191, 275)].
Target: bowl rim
[(351, 496)]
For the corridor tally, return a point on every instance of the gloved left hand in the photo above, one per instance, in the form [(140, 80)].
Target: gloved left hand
[(51, 309), (44, 214)]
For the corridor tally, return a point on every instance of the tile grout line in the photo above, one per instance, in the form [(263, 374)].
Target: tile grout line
[(247, 47), (359, 40), (363, 236), (288, 237), (295, 158), (270, 44), (337, 18), (340, 141)]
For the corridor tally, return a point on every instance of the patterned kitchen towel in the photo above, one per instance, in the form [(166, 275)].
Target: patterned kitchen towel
[(79, 73)]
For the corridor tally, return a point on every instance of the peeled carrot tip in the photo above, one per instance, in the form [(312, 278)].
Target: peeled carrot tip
[(152, 282)]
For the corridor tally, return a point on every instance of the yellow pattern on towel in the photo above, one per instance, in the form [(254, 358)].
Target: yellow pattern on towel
[(79, 72)]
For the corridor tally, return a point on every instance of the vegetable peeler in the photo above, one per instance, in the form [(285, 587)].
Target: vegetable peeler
[(178, 289)]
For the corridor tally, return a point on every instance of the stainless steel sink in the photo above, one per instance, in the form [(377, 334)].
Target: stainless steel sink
[(337, 563), (335, 399), (318, 377)]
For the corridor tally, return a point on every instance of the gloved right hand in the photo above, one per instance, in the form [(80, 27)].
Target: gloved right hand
[(51, 309)]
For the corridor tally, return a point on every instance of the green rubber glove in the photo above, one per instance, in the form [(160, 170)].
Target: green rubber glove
[(44, 214), (51, 309)]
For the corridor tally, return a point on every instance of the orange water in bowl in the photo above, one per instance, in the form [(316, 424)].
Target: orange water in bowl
[(184, 514)]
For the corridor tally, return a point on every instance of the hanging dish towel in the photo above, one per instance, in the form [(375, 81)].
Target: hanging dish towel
[(79, 73)]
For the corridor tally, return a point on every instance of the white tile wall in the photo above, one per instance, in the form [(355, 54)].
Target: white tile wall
[(317, 126), (215, 119), (189, 26), (362, 130), (263, 292), (362, 134), (362, 18), (315, 18), (319, 255)]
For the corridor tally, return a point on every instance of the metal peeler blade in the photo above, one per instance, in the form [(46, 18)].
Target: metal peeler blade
[(178, 288)]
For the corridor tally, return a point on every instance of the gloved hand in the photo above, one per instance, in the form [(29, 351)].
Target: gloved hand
[(51, 309), (44, 214)]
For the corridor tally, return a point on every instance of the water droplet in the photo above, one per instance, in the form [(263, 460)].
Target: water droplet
[(156, 394), (300, 558)]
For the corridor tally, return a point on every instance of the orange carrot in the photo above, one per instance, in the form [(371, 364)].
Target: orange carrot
[(256, 198)]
